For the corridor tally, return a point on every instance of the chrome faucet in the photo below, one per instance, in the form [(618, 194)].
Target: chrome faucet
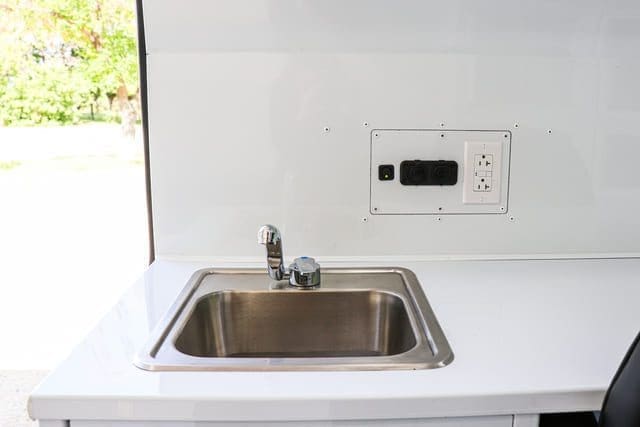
[(269, 236), (304, 272)]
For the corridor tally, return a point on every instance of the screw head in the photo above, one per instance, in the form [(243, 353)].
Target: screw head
[(365, 124), (326, 129)]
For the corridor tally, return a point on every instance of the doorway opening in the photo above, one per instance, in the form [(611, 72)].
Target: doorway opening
[(73, 224)]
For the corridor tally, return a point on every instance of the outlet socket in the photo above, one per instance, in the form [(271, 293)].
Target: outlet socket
[(482, 172)]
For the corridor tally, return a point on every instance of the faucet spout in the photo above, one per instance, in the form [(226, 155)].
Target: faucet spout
[(269, 236)]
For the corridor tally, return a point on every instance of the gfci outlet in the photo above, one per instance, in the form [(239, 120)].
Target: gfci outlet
[(439, 171), (482, 172)]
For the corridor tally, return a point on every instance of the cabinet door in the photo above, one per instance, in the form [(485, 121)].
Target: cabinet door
[(499, 421)]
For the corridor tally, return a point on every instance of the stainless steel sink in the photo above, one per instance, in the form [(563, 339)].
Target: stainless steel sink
[(297, 324), (368, 318)]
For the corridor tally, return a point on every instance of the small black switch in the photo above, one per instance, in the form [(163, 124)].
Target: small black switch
[(385, 172)]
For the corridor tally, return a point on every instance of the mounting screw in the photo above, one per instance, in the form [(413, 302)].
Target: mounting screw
[(439, 218), (511, 218), (442, 124), (326, 129), (365, 124), (442, 135), (440, 208), (515, 125), (376, 134), (375, 209), (365, 219), (506, 135), (549, 131), (502, 208)]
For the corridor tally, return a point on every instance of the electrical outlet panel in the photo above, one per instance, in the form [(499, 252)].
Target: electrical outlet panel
[(439, 171)]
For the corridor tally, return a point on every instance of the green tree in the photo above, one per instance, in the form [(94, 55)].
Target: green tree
[(60, 58)]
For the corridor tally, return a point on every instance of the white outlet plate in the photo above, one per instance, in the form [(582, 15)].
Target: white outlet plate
[(391, 146), (482, 182)]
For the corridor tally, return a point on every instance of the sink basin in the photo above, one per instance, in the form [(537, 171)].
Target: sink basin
[(297, 324), (241, 320)]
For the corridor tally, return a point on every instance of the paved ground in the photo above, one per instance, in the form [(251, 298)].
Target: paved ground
[(15, 387), (72, 238)]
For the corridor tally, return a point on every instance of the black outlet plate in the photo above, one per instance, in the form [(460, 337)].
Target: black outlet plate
[(429, 172)]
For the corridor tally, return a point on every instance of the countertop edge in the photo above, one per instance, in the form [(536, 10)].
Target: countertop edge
[(402, 407)]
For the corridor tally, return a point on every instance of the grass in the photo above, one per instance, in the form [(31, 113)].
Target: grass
[(8, 165), (73, 163), (87, 163), (106, 117)]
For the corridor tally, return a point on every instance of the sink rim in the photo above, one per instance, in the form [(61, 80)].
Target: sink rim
[(432, 349)]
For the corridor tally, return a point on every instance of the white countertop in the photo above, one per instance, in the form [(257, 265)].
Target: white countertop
[(528, 337)]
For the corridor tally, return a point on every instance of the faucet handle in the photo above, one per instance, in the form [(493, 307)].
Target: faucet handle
[(304, 273)]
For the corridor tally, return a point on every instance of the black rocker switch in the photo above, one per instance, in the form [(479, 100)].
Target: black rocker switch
[(385, 172)]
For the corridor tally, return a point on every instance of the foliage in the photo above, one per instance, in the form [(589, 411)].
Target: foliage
[(60, 58), (8, 165)]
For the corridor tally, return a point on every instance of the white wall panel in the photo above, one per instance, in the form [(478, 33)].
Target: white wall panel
[(241, 93)]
